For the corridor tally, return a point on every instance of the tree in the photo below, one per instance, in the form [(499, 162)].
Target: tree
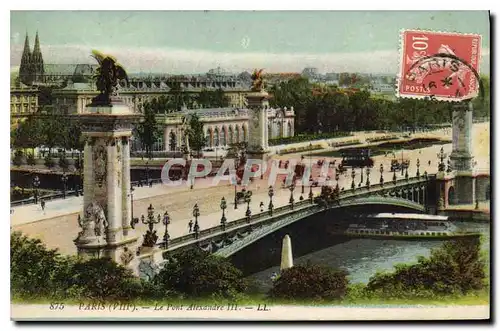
[(148, 130), (454, 268), (172, 141), (195, 134), (198, 274), (39, 273), (212, 99), (310, 282)]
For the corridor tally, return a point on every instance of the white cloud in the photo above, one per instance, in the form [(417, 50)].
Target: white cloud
[(199, 61)]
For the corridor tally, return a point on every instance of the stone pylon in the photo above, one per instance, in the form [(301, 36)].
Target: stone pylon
[(106, 218), (258, 105), (286, 254), (461, 156)]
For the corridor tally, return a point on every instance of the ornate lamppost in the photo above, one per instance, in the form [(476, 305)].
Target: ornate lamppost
[(361, 181), (353, 175), (402, 162), (166, 235), (418, 168), (64, 179), (248, 199), (147, 172), (270, 192), (36, 184), (235, 198), (441, 155), (292, 188), (223, 206), (196, 214), (381, 173), (368, 177), (150, 237)]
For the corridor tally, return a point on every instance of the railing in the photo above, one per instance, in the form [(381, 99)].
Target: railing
[(263, 218), (48, 197), (55, 196)]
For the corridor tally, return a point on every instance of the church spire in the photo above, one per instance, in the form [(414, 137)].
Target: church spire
[(37, 60), (25, 68), (37, 45)]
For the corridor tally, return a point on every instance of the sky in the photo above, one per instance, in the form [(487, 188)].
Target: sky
[(196, 41)]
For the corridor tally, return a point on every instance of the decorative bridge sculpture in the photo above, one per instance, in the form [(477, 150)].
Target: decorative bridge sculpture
[(226, 240)]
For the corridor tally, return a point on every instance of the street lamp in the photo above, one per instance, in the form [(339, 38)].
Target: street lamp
[(292, 188), (223, 206), (337, 176), (310, 167), (64, 179), (166, 222), (235, 198), (362, 172), (381, 172), (248, 199), (441, 155), (353, 175), (196, 213), (150, 237), (402, 162), (270, 192), (36, 184), (368, 177)]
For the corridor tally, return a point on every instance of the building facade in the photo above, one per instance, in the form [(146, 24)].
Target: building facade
[(23, 100), (74, 98), (221, 127)]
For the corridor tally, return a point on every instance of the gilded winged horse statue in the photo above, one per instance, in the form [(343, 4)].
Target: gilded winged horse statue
[(258, 80), (107, 76)]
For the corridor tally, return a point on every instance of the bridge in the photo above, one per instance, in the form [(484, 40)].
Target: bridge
[(232, 236)]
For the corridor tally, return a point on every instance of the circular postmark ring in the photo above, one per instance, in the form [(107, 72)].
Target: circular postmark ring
[(455, 58)]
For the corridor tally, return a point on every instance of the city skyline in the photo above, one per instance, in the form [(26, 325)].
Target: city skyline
[(195, 42)]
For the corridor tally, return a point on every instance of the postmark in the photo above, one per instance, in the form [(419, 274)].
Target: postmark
[(439, 65)]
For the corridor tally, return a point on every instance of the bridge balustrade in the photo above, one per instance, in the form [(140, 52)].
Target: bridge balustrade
[(263, 218)]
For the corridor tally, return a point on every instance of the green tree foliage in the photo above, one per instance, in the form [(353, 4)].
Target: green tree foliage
[(323, 108), (482, 105), (310, 282), (32, 267), (454, 268), (18, 158), (212, 99), (103, 279), (38, 273), (148, 130), (195, 134), (197, 274)]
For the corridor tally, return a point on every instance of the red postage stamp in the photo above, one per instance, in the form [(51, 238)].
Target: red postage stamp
[(439, 65)]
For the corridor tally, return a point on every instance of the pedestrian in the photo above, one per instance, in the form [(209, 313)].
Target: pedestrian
[(261, 206), (150, 183), (196, 229), (42, 203), (429, 162), (190, 226)]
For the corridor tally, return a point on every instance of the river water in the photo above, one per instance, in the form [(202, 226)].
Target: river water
[(362, 258)]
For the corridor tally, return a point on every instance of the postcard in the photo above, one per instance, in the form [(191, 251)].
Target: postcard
[(250, 166)]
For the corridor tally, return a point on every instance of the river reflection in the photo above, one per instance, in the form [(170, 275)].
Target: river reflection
[(362, 258)]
